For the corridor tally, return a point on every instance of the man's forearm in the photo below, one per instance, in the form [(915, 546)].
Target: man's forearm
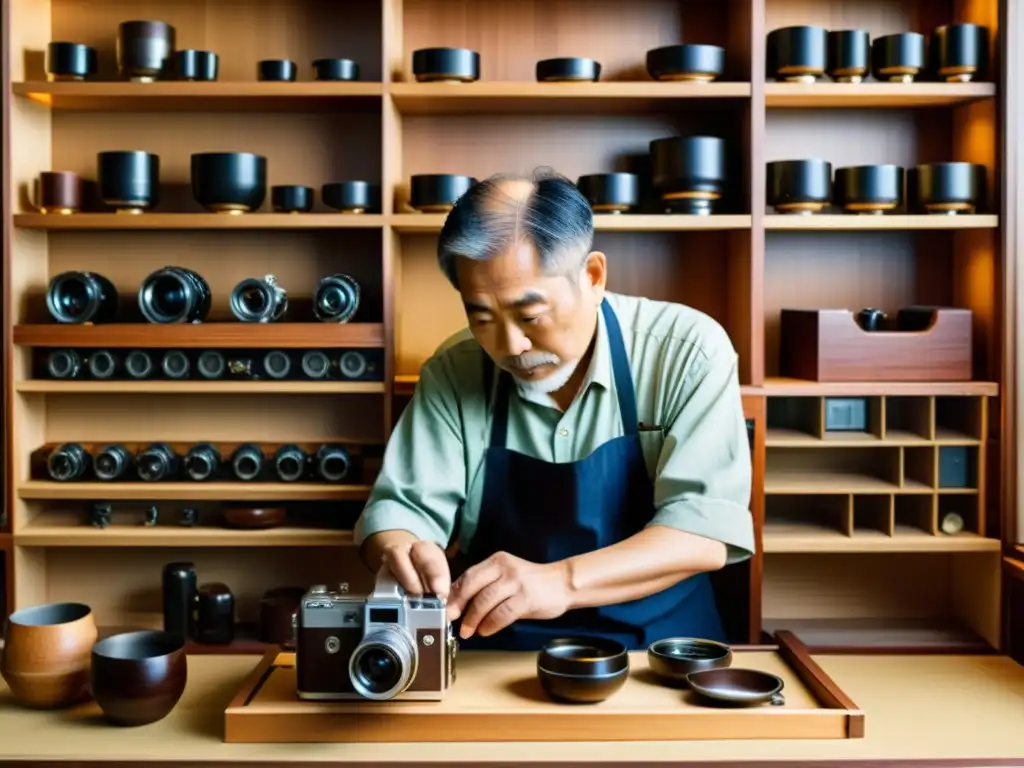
[(372, 551), (652, 560)]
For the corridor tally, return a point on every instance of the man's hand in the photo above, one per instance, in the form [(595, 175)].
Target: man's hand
[(503, 589), (419, 567)]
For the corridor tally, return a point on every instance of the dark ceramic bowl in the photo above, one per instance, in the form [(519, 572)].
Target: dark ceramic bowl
[(290, 198), (196, 65), (446, 65), (229, 182), (145, 50), (673, 658), (869, 189), (686, 63), (960, 52), (70, 61), (128, 181), (849, 55), (797, 54), (946, 188), (138, 677), (689, 172), (335, 69), (610, 192), (347, 196), (59, 192), (898, 58), (437, 192), (276, 70), (568, 70), (582, 670), (799, 186)]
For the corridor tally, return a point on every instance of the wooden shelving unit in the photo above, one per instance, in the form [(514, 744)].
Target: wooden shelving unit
[(850, 556)]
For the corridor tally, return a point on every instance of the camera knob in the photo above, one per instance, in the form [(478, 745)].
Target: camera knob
[(343, 588), (319, 589)]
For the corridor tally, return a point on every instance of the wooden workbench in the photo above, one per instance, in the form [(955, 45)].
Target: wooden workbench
[(955, 710)]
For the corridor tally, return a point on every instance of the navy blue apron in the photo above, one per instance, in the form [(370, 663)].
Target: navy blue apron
[(543, 512)]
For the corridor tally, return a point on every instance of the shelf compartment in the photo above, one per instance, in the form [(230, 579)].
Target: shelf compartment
[(873, 514), (855, 470), (966, 505), (920, 466), (827, 95), (221, 96), (196, 221), (411, 223), (897, 222), (910, 419), (916, 514), (927, 601), (810, 422), (202, 335), (959, 419), (780, 386), (187, 491), (490, 97), (58, 387)]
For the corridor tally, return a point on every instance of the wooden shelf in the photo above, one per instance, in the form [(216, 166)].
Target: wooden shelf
[(795, 538), (895, 223), (245, 641), (432, 222), (41, 535), (823, 483), (874, 95), (203, 335), (185, 491), (497, 97), (791, 438), (204, 97), (197, 221), (881, 635), (59, 387), (783, 387)]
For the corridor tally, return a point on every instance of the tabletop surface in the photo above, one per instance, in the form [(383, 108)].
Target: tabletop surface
[(917, 708)]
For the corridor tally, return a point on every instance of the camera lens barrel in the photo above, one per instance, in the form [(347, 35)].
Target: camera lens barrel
[(211, 364), (82, 297), (259, 300), (63, 364), (247, 462), (67, 462), (158, 462), (290, 463), (174, 295), (112, 462), (277, 364), (138, 364), (316, 364), (201, 461), (336, 299), (332, 462), (352, 364), (103, 364), (383, 664), (175, 364)]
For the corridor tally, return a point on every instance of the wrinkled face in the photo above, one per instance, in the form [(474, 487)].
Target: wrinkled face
[(536, 326)]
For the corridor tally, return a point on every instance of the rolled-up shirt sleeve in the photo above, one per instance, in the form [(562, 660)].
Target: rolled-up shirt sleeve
[(421, 485), (704, 473)]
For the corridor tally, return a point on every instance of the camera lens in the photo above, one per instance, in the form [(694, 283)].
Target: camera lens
[(290, 463), (352, 364), (139, 364), (332, 462), (175, 364), (112, 462), (157, 462), (276, 364), (174, 295), (102, 364), (384, 664), (64, 364), (336, 299), (247, 462), (211, 364), (316, 364), (379, 669), (82, 297), (201, 461), (256, 300), (67, 462)]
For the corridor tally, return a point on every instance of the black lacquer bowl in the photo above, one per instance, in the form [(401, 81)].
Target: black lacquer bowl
[(229, 182), (335, 69), (849, 55), (291, 198), (583, 670), (799, 186), (198, 66), (437, 192), (946, 188), (144, 50), (796, 54), (871, 189), (455, 65), (128, 181), (610, 192), (276, 71), (568, 70), (347, 196), (960, 52), (138, 677), (673, 658), (689, 172), (70, 61), (688, 62), (898, 58)]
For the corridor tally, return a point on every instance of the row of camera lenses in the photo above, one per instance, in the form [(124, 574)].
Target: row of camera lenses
[(212, 364), (181, 295), (158, 462)]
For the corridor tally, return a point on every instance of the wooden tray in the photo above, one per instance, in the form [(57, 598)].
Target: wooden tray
[(496, 697)]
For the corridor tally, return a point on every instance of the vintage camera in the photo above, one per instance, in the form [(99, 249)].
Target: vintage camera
[(380, 647)]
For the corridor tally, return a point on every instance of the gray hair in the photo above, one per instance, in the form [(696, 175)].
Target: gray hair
[(554, 216)]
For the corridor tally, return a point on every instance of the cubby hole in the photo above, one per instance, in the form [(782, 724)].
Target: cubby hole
[(881, 17), (886, 270), (919, 468), (914, 513), (793, 418), (957, 467), (796, 514), (909, 418), (923, 602), (617, 35), (958, 418), (686, 267), (958, 511), (847, 470), (872, 514), (300, 30)]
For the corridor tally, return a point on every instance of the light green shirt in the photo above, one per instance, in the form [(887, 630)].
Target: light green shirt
[(685, 373)]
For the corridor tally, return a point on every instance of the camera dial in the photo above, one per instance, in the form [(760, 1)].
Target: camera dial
[(384, 663)]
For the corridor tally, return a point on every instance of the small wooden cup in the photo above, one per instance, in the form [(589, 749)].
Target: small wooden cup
[(59, 192)]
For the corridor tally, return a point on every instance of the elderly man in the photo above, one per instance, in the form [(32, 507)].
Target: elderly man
[(586, 451)]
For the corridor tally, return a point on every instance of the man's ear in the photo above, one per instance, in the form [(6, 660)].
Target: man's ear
[(595, 272)]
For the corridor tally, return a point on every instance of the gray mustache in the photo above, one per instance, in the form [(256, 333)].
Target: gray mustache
[(531, 360)]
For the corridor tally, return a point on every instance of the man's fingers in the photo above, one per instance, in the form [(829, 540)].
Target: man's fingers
[(429, 561), (469, 584), (503, 615), (485, 601), (400, 564)]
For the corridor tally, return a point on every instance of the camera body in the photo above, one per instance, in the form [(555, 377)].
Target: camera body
[(383, 646)]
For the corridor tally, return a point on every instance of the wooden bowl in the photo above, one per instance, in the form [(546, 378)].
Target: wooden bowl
[(254, 517), (673, 658), (138, 677), (46, 651), (582, 670)]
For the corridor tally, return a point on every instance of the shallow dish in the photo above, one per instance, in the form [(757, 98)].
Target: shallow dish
[(738, 686), (673, 658)]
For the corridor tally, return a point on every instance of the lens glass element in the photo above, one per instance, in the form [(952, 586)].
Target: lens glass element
[(379, 669)]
